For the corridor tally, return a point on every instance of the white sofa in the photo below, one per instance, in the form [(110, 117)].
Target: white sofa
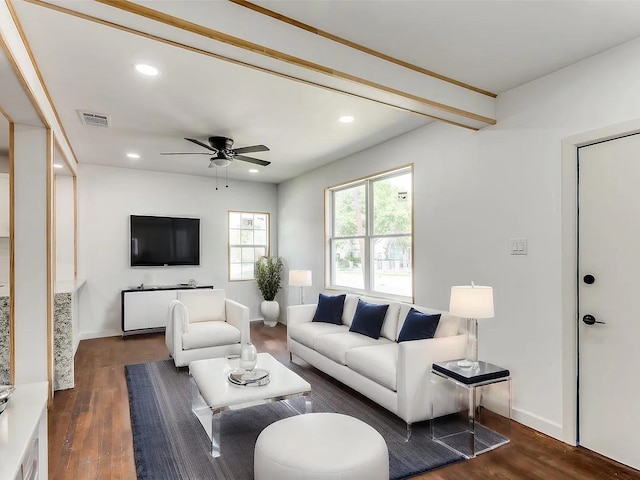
[(203, 323), (394, 374)]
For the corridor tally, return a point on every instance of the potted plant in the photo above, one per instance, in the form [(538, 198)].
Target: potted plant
[(268, 272)]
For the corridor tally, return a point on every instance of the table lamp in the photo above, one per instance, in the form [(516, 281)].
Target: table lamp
[(300, 278), (471, 302)]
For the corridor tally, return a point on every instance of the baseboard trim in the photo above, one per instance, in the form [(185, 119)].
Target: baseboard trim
[(538, 423), (106, 333)]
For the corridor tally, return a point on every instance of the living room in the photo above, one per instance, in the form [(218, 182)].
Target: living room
[(474, 191)]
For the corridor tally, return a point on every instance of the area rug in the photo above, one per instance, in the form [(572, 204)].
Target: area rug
[(170, 444)]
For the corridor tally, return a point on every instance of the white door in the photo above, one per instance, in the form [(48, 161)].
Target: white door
[(609, 252)]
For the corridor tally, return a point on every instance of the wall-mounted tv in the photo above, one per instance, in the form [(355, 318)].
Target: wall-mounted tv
[(164, 241)]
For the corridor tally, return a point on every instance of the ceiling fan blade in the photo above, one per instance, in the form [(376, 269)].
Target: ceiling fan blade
[(257, 161), (186, 153), (198, 142), (251, 149)]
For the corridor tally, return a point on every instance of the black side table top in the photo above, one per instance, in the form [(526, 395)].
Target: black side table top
[(469, 376)]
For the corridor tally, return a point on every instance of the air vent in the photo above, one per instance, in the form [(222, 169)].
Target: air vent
[(95, 119)]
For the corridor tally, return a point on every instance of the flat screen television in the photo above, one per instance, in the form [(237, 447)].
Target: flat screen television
[(164, 241)]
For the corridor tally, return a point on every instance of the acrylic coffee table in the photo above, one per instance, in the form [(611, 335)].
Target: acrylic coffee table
[(213, 394)]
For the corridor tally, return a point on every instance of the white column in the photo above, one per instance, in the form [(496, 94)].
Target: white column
[(32, 281)]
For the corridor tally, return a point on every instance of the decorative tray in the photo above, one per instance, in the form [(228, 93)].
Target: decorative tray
[(5, 393), (254, 378)]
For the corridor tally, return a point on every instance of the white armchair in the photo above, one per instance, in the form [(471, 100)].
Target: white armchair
[(203, 324)]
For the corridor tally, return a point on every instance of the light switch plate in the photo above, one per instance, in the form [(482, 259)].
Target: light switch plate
[(518, 246)]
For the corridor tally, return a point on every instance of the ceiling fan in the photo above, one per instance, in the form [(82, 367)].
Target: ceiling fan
[(222, 154)]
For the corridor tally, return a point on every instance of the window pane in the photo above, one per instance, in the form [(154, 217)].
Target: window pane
[(260, 222), (247, 270), (347, 263), (392, 205), (234, 220), (260, 237), (392, 265), (234, 236), (235, 272), (261, 252), (246, 220), (247, 255), (247, 237), (235, 255), (350, 212)]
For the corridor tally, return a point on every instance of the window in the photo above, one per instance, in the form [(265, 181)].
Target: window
[(248, 241), (370, 236)]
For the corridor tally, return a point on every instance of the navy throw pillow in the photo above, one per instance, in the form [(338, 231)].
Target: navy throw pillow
[(329, 309), (368, 319), (418, 326)]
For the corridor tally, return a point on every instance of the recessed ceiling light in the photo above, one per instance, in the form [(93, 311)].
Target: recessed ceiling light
[(346, 119), (57, 165), (133, 155), (253, 170), (147, 69)]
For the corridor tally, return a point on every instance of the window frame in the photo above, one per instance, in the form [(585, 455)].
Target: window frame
[(230, 245), (368, 239)]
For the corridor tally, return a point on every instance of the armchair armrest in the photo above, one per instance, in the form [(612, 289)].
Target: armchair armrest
[(414, 366), (177, 324), (238, 316)]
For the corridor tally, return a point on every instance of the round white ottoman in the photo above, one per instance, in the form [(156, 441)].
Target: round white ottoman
[(320, 446)]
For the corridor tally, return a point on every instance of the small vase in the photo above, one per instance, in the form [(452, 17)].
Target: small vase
[(248, 356), (271, 312)]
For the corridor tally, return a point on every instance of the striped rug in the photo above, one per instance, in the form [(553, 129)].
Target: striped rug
[(170, 444)]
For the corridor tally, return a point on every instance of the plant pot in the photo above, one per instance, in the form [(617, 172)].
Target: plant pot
[(271, 312)]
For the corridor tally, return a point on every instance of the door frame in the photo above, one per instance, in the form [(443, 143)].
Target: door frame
[(569, 266)]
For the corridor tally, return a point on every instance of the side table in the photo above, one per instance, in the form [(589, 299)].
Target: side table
[(480, 399)]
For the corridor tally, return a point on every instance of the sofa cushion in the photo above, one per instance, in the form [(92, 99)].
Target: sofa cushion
[(376, 362), (306, 332), (447, 326), (203, 305), (350, 304), (336, 345), (418, 326), (329, 309), (209, 334), (368, 319)]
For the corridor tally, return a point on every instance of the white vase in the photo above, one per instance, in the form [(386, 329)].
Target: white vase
[(271, 312)]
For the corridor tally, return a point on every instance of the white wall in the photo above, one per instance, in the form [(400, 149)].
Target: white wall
[(64, 228), (107, 196), (474, 191)]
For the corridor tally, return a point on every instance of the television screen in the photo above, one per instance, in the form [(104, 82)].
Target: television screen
[(160, 241)]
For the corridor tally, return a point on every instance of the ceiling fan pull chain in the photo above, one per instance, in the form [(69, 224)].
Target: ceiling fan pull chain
[(216, 178), (226, 178)]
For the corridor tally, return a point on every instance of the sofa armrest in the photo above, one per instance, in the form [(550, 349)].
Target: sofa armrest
[(177, 324), (238, 316), (300, 313), (414, 369)]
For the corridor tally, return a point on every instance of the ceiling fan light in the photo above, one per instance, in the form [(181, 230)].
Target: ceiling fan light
[(220, 162)]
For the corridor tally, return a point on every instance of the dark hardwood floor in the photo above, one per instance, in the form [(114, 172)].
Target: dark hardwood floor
[(90, 429)]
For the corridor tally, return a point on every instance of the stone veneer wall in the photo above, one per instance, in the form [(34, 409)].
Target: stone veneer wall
[(4, 340), (62, 342)]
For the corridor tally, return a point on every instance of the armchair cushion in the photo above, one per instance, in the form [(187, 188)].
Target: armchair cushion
[(210, 334), (204, 305)]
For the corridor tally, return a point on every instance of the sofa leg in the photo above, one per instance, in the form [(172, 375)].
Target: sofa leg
[(408, 433)]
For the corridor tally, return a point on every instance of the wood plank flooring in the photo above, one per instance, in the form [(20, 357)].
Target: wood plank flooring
[(90, 429)]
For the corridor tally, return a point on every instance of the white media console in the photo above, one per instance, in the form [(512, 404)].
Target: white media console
[(145, 308)]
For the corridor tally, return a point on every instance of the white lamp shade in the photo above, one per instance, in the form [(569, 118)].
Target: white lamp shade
[(300, 278), (471, 301)]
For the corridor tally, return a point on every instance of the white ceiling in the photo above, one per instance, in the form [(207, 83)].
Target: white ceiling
[(493, 45)]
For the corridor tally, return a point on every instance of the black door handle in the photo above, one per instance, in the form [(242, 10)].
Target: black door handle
[(590, 320)]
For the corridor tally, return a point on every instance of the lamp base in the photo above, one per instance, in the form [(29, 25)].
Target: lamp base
[(467, 364)]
